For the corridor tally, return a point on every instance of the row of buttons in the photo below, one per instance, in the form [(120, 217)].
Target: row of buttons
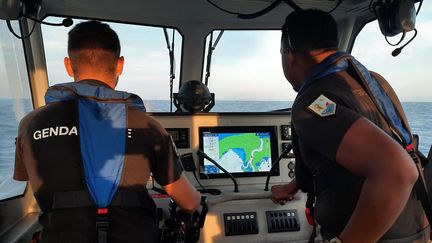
[(282, 221), (240, 223), (286, 135), (251, 216)]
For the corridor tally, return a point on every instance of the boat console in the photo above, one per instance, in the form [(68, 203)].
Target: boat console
[(246, 146)]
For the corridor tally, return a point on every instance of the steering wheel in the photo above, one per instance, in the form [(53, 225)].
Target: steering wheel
[(184, 227)]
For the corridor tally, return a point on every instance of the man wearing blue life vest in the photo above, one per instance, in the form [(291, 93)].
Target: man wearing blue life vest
[(89, 152), (349, 134)]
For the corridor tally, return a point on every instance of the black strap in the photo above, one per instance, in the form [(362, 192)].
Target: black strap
[(313, 235), (102, 235), (356, 74), (419, 186), (80, 199), (102, 224)]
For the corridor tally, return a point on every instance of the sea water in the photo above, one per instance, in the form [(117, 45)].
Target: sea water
[(419, 115)]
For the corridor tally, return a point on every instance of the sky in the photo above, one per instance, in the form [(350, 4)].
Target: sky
[(246, 64), (408, 73)]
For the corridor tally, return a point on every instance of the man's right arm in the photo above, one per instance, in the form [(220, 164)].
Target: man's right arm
[(389, 174), (168, 172), (184, 194)]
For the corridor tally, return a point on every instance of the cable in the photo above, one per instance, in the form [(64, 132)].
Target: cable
[(400, 40), (66, 22), (221, 9), (281, 156), (206, 190), (205, 156), (16, 35), (398, 50), (419, 7), (373, 8), (259, 13), (336, 6), (196, 178), (293, 5)]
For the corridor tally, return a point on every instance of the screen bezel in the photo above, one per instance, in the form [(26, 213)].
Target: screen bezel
[(274, 148)]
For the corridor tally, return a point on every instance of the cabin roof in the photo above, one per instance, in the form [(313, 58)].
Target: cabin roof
[(179, 13)]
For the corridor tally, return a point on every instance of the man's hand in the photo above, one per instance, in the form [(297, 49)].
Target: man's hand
[(283, 193)]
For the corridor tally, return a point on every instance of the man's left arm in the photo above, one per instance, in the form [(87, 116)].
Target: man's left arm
[(389, 174)]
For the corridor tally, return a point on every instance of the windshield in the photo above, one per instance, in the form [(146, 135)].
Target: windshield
[(15, 102), (147, 64), (246, 72)]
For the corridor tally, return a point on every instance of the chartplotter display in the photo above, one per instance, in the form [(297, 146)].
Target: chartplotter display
[(242, 151)]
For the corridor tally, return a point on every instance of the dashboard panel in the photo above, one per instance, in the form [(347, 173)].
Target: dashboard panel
[(248, 215)]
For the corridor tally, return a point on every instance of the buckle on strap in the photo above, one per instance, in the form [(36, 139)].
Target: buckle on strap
[(102, 224), (102, 211), (409, 147), (310, 216), (411, 151), (102, 219)]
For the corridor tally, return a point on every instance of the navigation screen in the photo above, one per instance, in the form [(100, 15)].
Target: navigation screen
[(242, 151)]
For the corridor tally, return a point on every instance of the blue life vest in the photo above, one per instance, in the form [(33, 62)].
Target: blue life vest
[(338, 62), (102, 132)]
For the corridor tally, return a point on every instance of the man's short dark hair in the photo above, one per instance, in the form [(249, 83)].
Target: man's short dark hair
[(310, 29), (93, 44), (93, 35)]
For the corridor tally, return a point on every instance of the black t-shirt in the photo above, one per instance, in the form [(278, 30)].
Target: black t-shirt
[(321, 116), (48, 155)]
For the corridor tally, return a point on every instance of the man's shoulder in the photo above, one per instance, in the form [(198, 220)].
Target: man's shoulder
[(334, 87), (31, 115), (383, 82), (323, 98), (137, 117), (133, 112), (48, 111), (51, 107), (321, 87)]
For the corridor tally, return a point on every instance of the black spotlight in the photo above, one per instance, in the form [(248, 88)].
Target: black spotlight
[(194, 96)]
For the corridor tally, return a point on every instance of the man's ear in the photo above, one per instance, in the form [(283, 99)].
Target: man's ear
[(291, 58), (119, 67), (68, 66)]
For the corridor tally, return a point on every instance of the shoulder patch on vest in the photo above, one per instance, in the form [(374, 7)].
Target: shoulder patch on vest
[(323, 106)]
